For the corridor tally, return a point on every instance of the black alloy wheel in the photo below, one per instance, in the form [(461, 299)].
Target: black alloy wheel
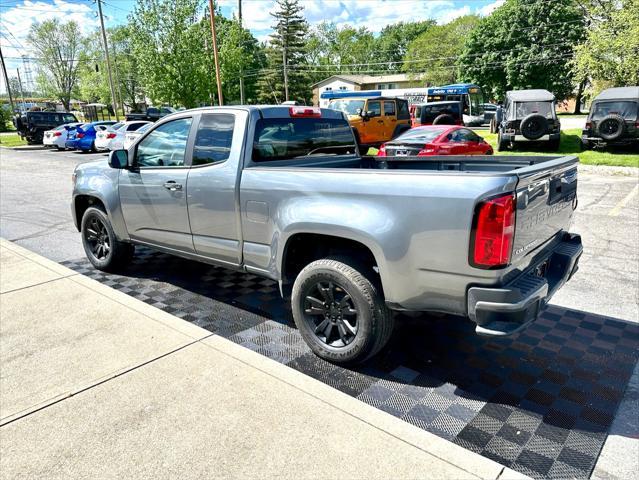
[(97, 238), (331, 314)]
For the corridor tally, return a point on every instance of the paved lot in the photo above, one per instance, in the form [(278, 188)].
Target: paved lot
[(143, 394), (34, 210)]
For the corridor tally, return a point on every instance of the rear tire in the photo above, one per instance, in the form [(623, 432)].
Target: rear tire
[(340, 312), (101, 246), (501, 144)]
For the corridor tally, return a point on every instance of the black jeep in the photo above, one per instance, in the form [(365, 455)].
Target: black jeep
[(613, 119), (32, 125), (527, 116)]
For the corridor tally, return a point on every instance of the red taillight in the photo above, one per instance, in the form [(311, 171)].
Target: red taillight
[(305, 112), (57, 134), (427, 150), (382, 151), (111, 135), (79, 135), (493, 231)]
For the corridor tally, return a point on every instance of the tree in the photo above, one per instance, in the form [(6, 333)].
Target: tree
[(609, 56), (393, 41), (166, 39), (58, 46), (125, 65), (284, 77), (93, 84), (524, 44), (431, 57)]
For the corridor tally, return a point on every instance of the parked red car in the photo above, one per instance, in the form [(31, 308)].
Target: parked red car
[(436, 140)]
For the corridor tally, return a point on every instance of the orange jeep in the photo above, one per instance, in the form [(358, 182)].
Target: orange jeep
[(374, 120)]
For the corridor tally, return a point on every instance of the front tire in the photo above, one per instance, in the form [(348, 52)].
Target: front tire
[(340, 312), (101, 246)]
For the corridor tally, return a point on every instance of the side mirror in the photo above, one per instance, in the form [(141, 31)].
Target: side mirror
[(359, 112), (119, 159)]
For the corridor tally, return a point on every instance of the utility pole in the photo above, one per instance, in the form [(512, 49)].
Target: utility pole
[(6, 80), (108, 61), (217, 63), (24, 104), (239, 17), (285, 62)]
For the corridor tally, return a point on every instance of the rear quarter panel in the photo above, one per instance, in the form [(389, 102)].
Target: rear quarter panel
[(417, 225)]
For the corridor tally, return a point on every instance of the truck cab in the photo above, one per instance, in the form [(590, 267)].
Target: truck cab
[(374, 120)]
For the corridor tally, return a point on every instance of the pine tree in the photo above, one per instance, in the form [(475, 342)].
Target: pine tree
[(284, 78)]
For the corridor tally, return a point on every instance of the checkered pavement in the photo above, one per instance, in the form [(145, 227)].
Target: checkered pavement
[(540, 402)]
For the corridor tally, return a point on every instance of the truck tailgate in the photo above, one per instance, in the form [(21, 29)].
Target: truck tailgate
[(546, 197)]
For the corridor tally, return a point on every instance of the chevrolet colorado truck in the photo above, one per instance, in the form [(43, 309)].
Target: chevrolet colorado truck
[(283, 192)]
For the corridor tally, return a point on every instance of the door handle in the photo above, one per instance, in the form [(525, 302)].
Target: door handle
[(173, 185)]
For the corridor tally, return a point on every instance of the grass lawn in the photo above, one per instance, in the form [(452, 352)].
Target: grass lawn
[(11, 140), (571, 145)]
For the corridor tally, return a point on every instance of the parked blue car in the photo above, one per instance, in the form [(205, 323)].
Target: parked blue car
[(83, 137)]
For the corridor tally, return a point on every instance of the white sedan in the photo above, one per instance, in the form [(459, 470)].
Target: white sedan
[(131, 137), (58, 136), (113, 138)]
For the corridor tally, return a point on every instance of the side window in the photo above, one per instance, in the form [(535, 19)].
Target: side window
[(375, 108), (464, 135), (403, 109), (389, 109), (213, 139), (134, 126), (165, 146), (68, 118)]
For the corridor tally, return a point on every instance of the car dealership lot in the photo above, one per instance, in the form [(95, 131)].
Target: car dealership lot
[(35, 189)]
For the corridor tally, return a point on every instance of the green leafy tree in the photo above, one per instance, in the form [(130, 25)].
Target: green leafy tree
[(125, 65), (609, 56), (239, 53), (333, 50), (431, 57), (393, 41), (284, 76), (58, 46), (166, 38), (524, 44), (93, 83)]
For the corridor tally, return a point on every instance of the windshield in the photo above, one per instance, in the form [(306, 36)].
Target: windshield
[(419, 135), (523, 109), (286, 138), (349, 107), (626, 109)]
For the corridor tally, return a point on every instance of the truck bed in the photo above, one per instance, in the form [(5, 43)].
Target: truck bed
[(459, 163)]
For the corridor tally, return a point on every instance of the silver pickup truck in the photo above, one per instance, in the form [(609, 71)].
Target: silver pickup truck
[(283, 192)]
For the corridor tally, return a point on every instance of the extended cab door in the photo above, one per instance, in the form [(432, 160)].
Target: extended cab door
[(153, 191), (212, 198)]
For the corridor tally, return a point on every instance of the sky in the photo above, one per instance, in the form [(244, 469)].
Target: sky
[(16, 17)]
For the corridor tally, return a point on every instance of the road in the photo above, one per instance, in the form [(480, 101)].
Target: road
[(36, 187)]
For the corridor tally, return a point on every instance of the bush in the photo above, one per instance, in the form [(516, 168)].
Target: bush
[(5, 119)]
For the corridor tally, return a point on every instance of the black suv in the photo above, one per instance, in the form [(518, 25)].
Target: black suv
[(438, 113), (613, 119), (32, 125), (527, 116)]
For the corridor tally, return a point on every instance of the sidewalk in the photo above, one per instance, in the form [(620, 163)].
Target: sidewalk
[(96, 384)]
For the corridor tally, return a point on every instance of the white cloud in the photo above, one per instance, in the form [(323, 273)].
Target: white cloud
[(488, 9), (16, 22), (450, 14)]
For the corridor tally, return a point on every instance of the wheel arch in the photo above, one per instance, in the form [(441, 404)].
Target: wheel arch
[(302, 247)]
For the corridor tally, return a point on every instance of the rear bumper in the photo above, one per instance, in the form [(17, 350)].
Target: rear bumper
[(517, 137), (500, 311)]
